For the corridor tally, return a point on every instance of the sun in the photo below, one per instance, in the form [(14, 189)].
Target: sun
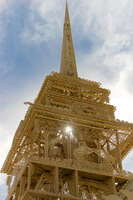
[(68, 130)]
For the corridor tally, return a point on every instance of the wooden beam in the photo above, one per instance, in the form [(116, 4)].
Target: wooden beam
[(43, 194)]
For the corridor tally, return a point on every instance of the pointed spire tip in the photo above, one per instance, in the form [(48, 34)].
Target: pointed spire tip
[(68, 61)]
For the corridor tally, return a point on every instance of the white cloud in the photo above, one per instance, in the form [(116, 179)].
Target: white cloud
[(44, 18), (4, 143), (9, 120), (110, 21), (13, 113), (128, 163), (3, 6), (3, 187), (5, 13)]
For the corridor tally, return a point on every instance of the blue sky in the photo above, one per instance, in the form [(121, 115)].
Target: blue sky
[(30, 48)]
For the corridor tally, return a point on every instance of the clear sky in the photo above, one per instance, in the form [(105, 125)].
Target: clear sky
[(30, 48)]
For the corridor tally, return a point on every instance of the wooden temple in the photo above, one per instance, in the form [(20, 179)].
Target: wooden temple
[(69, 145)]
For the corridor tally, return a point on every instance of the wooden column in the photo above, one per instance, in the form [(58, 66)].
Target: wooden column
[(111, 185), (9, 180), (17, 193), (22, 185), (46, 145), (69, 146), (56, 180), (108, 145), (73, 183), (29, 176), (76, 182), (118, 151), (37, 134)]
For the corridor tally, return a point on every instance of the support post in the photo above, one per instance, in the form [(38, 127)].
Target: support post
[(22, 185), (118, 151), (46, 145), (29, 176), (56, 178), (69, 147), (111, 185), (76, 182)]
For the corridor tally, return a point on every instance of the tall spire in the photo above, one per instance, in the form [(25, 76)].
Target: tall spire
[(68, 61)]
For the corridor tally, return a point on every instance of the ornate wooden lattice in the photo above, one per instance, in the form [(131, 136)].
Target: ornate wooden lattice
[(69, 145)]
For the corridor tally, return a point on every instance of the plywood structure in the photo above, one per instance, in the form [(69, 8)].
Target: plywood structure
[(69, 145)]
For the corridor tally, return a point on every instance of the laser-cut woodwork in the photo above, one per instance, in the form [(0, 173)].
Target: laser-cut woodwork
[(69, 145)]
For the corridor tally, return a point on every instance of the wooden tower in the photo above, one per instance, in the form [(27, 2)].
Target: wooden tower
[(69, 145)]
